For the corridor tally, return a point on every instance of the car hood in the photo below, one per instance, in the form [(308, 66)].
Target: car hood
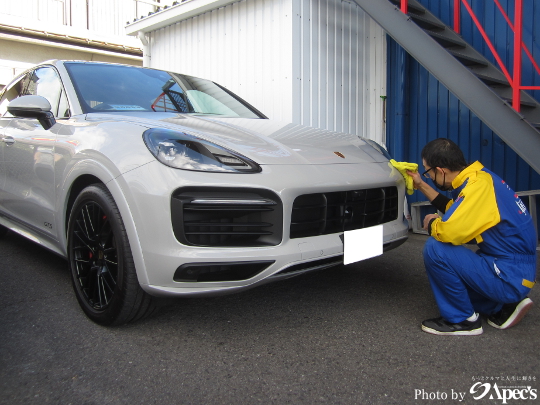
[(267, 142)]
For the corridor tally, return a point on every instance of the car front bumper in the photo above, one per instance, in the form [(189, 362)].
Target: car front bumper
[(149, 188)]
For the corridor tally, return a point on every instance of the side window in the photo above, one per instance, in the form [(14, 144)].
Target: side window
[(46, 83), (14, 91)]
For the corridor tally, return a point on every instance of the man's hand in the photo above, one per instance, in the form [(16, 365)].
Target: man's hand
[(420, 185), (417, 179), (428, 218)]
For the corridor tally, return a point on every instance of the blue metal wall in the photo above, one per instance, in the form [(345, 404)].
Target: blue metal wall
[(498, 31), (420, 109)]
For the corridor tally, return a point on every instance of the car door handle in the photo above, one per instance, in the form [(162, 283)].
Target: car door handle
[(8, 140)]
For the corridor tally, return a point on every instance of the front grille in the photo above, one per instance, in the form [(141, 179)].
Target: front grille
[(227, 217), (326, 213)]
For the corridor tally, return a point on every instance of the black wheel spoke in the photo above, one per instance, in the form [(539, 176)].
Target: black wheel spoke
[(85, 243), (90, 285), (82, 233), (101, 292), (94, 255), (87, 222), (110, 256), (108, 279), (105, 231)]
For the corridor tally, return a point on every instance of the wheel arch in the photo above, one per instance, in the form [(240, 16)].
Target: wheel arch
[(83, 180), (77, 186)]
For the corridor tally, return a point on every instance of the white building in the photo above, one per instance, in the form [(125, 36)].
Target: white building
[(32, 31)]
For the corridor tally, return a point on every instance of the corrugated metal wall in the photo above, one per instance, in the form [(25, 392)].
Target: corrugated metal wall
[(42, 10), (105, 17), (245, 46), (340, 68), (320, 63), (421, 109)]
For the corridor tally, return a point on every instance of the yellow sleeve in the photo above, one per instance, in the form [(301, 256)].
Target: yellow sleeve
[(474, 211)]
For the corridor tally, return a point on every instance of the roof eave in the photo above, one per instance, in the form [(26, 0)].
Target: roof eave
[(174, 14)]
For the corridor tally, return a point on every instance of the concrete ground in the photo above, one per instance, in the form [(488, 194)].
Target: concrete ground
[(347, 335)]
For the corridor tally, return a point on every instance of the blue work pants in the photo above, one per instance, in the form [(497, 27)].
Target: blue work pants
[(465, 282)]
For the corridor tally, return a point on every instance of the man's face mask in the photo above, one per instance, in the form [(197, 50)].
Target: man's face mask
[(442, 187)]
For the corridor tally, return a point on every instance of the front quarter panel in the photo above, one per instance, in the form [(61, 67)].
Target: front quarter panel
[(104, 151), (116, 145)]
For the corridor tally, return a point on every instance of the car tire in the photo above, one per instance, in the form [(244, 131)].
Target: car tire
[(102, 268), (3, 231)]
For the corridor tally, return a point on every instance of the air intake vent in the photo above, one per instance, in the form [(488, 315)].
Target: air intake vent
[(223, 217), (230, 271), (326, 213)]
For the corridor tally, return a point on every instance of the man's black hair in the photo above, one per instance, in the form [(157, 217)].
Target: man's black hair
[(444, 153)]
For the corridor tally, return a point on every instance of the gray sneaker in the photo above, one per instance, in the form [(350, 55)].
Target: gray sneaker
[(440, 326), (510, 314)]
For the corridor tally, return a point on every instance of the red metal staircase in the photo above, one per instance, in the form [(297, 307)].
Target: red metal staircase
[(487, 90)]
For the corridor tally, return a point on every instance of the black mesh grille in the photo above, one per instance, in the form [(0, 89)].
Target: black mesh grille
[(227, 217), (229, 271), (326, 213)]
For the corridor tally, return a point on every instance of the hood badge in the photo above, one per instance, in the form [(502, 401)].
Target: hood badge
[(341, 155)]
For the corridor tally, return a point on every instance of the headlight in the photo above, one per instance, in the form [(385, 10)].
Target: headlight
[(183, 151), (378, 148)]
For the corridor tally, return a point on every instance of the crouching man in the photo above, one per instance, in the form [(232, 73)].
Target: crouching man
[(494, 280)]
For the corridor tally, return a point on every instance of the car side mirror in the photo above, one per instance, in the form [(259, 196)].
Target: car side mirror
[(36, 107)]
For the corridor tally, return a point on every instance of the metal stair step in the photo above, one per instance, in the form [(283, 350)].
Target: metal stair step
[(427, 23), (523, 103), (413, 7), (490, 80), (529, 106), (447, 41), (468, 60)]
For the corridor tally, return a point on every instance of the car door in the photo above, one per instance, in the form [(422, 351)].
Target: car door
[(2, 143), (13, 90), (28, 159)]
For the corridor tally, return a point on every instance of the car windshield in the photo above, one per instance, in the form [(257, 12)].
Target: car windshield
[(117, 88)]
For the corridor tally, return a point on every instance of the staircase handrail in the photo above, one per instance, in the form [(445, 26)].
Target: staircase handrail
[(517, 28)]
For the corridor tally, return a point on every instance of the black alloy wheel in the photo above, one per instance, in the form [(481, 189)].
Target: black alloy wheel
[(95, 255), (102, 269)]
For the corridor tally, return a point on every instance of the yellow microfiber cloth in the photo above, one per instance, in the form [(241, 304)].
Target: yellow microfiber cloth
[(402, 167)]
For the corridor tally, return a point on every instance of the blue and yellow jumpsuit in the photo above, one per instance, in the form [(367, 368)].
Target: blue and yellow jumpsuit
[(484, 209)]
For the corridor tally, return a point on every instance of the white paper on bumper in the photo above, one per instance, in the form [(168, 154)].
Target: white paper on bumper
[(362, 244)]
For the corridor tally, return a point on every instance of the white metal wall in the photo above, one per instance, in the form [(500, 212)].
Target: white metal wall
[(101, 20), (339, 68), (245, 46), (106, 17), (44, 10), (320, 63)]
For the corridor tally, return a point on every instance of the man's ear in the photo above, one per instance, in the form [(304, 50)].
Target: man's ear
[(443, 170)]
